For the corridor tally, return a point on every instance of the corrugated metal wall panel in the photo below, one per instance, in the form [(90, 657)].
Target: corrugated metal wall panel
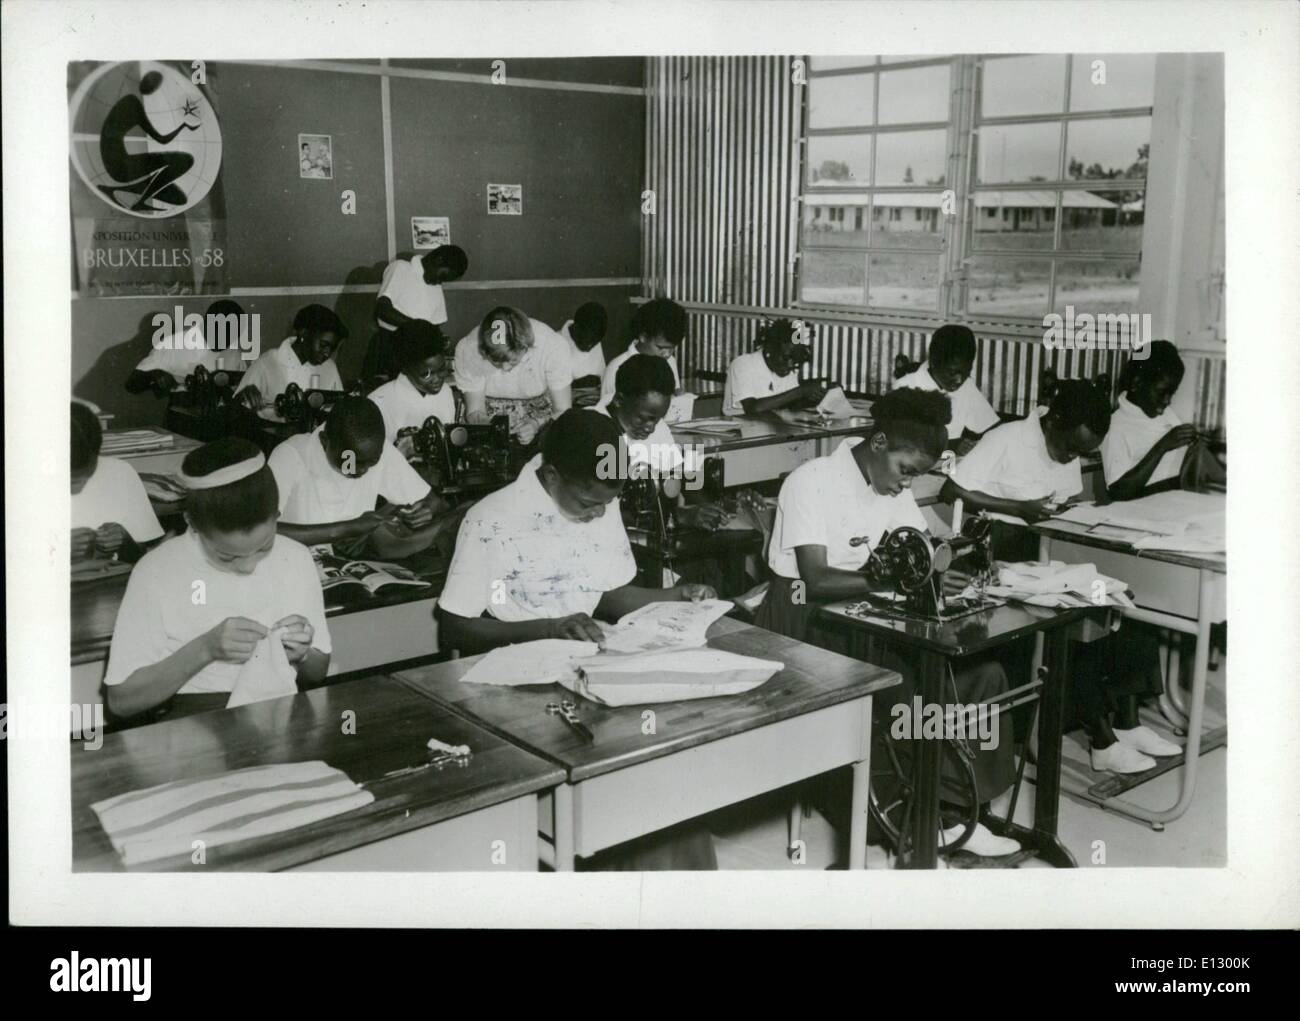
[(722, 159)]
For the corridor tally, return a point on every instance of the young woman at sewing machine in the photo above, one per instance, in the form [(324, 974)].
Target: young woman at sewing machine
[(643, 390), (949, 362), (330, 480), (306, 358), (768, 378), (1028, 468), (168, 643), (514, 366), (173, 358), (1149, 449), (830, 513), (542, 558), (585, 333), (111, 513), (420, 389)]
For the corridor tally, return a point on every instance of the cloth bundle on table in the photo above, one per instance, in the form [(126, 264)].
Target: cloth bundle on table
[(167, 820)]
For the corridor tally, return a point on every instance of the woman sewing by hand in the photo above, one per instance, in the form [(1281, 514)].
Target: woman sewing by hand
[(514, 366), (832, 512)]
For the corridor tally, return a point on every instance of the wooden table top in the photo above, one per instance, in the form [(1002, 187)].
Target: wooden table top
[(95, 605), (393, 725), (962, 636), (1073, 531), (812, 679)]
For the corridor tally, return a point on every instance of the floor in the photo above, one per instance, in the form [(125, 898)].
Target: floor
[(752, 835)]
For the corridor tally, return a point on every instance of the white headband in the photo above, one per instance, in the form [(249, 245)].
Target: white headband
[(225, 476)]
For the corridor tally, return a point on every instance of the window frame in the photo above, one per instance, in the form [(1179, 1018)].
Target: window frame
[(958, 242)]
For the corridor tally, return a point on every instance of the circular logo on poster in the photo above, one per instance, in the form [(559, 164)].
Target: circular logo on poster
[(144, 139)]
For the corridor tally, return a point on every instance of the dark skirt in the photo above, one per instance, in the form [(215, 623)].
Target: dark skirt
[(787, 611), (1125, 664)]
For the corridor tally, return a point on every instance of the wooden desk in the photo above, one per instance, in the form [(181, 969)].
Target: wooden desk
[(163, 461), (936, 645), (813, 716), (433, 820), (370, 631), (1185, 592)]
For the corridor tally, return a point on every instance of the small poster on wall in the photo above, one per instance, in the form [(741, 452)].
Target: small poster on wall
[(316, 157), (430, 231), (505, 199)]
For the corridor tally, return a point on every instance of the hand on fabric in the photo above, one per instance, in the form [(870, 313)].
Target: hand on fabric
[(296, 634), (578, 627), (694, 592), (234, 639)]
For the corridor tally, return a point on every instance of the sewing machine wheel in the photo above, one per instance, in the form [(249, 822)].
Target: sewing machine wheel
[(458, 436), (891, 799), (911, 557)]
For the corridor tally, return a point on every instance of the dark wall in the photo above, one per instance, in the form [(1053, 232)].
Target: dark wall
[(578, 155)]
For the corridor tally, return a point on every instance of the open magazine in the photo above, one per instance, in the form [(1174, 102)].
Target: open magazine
[(337, 573)]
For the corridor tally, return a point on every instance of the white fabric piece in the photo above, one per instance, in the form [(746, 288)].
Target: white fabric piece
[(1057, 584), (267, 673), (672, 676)]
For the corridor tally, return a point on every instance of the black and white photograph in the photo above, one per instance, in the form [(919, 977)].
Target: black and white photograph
[(505, 199), (824, 488)]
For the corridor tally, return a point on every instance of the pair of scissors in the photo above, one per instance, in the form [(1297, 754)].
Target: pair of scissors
[(567, 711)]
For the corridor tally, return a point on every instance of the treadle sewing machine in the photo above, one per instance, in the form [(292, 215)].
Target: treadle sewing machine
[(459, 458), (913, 564), (304, 410), (200, 409)]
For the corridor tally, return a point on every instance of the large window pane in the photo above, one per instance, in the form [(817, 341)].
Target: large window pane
[(1015, 287), (1108, 149), (837, 160), (833, 278), (911, 220), (1014, 153), (841, 101), (1122, 80), (916, 94), (1020, 85), (838, 220), (897, 280), (1114, 228), (1096, 287), (1014, 221), (911, 157)]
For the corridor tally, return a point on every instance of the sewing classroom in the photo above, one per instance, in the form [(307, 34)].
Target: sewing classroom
[(646, 462)]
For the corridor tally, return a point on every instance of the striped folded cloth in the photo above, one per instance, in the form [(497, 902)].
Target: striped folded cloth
[(166, 820)]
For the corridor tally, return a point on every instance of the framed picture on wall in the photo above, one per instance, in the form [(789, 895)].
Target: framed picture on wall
[(316, 157), (505, 199), (430, 231)]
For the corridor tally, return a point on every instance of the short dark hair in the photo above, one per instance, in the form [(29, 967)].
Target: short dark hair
[(451, 258), (1080, 402), (951, 342), (643, 374), (87, 436), (415, 341), (237, 506), (778, 331), (319, 319), (1162, 360), (659, 317), (576, 443), (914, 418), (591, 321), (353, 420), (225, 307)]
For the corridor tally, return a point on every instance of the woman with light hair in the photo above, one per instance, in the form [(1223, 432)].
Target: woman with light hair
[(515, 366)]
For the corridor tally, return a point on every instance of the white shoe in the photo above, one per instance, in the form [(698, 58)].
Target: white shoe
[(983, 841), (1121, 758), (1147, 741)]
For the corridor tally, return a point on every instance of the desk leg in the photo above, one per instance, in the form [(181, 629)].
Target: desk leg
[(925, 772), (1051, 725), (858, 801), (564, 833)]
